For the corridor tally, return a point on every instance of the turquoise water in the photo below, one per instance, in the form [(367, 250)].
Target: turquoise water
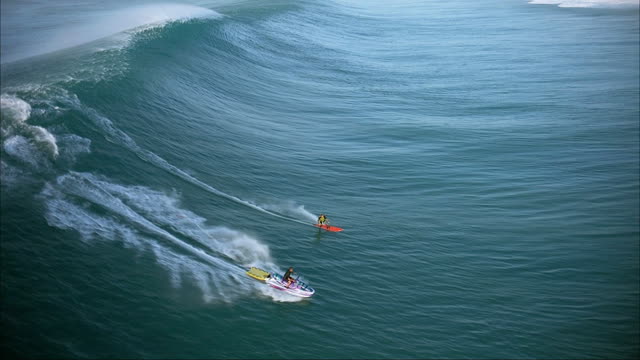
[(483, 158)]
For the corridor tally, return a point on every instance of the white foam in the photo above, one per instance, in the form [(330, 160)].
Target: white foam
[(238, 246), (588, 3), (164, 209), (14, 110), (21, 149), (290, 208), (15, 130), (215, 283), (33, 149), (89, 188), (44, 140), (136, 215), (278, 295), (64, 214)]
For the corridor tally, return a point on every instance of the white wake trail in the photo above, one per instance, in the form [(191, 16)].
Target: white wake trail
[(118, 136), (141, 214), (87, 188)]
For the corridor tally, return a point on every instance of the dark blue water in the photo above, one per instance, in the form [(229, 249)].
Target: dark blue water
[(482, 157)]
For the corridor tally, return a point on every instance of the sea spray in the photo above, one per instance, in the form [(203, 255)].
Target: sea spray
[(137, 217), (15, 113)]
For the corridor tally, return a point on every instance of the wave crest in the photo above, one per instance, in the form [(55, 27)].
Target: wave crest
[(91, 26), (15, 131), (14, 110), (588, 3)]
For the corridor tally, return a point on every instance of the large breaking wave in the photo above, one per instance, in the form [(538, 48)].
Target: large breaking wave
[(38, 149)]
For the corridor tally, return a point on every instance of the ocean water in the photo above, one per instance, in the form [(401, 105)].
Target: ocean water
[(482, 157)]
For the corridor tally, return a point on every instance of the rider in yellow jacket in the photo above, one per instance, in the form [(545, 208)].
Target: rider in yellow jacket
[(322, 220)]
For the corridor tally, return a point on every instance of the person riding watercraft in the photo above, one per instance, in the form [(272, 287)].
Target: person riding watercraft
[(287, 277), (291, 286), (322, 219)]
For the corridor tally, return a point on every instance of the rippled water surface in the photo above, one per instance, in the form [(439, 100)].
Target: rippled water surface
[(482, 158)]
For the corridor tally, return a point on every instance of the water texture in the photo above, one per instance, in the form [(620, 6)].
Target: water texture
[(483, 158)]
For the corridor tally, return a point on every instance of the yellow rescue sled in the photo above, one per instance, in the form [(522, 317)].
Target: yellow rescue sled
[(258, 274)]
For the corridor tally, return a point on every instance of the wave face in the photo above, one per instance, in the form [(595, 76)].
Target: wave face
[(483, 159)]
